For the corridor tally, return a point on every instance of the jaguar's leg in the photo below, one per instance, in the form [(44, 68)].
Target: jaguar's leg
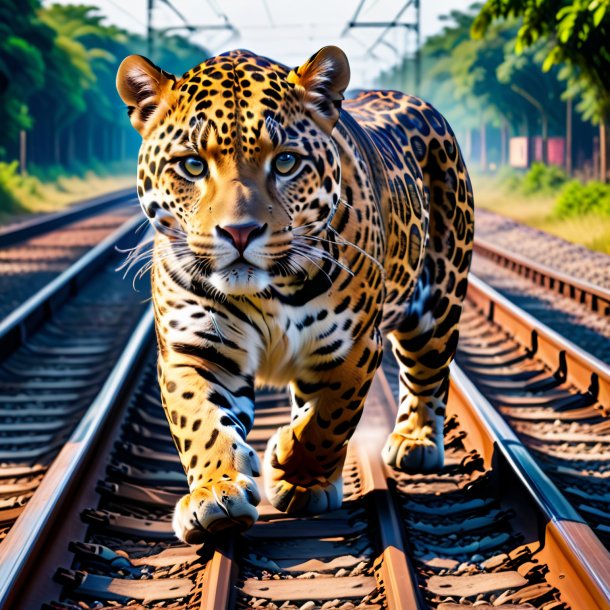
[(427, 338), (304, 460), (424, 346), (210, 412)]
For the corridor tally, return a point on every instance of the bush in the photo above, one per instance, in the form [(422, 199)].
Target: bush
[(8, 201), (509, 178), (543, 179), (14, 188), (540, 179), (577, 199)]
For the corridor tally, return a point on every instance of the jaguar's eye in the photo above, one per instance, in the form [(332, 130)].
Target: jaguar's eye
[(286, 163), (194, 166)]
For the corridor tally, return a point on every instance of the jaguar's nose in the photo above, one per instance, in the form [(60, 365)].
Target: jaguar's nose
[(241, 235)]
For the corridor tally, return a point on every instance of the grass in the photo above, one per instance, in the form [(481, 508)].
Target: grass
[(21, 196), (65, 191), (536, 210)]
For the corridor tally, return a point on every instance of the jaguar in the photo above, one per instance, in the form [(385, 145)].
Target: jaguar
[(294, 230)]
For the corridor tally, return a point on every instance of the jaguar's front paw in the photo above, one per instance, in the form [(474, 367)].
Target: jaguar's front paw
[(221, 505), (291, 484), (412, 454)]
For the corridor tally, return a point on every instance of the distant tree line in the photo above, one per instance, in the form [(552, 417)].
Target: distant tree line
[(57, 91), (520, 68)]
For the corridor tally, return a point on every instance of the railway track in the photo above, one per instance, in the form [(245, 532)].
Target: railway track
[(56, 351), (43, 223), (573, 307), (490, 529), (591, 296), (35, 252), (553, 394), (89, 475)]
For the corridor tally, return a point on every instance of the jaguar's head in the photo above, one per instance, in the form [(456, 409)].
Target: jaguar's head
[(237, 166)]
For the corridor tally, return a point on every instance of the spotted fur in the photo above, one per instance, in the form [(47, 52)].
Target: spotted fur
[(294, 280)]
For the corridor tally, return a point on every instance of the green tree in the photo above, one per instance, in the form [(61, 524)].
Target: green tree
[(57, 82), (480, 83), (22, 66), (577, 36)]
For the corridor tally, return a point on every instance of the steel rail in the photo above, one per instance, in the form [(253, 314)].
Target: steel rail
[(396, 573), (595, 297), (15, 233), (572, 550), (26, 540), (569, 361), (19, 324), (219, 577), (579, 563)]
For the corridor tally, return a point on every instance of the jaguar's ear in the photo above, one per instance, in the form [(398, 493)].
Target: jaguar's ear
[(323, 79), (146, 89)]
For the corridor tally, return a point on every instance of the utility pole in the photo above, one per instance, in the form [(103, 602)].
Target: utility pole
[(417, 47), (569, 136), (149, 31), (386, 26), (543, 117), (23, 152)]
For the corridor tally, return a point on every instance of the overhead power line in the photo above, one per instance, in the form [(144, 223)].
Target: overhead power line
[(150, 31), (353, 20), (386, 26), (123, 10), (176, 11), (392, 24), (268, 11)]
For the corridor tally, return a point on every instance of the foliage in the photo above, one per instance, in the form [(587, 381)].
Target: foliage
[(539, 179), (23, 43), (482, 79), (577, 199), (577, 33), (10, 183), (49, 188), (57, 71), (544, 179)]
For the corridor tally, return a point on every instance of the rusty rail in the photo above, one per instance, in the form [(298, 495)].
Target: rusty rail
[(17, 327), (41, 223), (26, 540), (572, 551), (568, 360), (395, 572), (573, 559), (596, 298)]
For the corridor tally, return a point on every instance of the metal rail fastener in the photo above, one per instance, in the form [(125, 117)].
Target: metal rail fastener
[(595, 297), (581, 564), (20, 323), (27, 537), (569, 361)]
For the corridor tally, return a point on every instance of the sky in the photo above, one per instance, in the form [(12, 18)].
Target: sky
[(291, 31)]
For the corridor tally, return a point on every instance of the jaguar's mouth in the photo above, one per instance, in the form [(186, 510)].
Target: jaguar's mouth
[(239, 264), (240, 277)]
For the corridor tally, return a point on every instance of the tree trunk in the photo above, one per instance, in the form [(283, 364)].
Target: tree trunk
[(545, 136), (468, 146), (56, 147), (483, 146), (70, 146), (504, 142), (603, 152), (89, 131), (569, 137), (23, 146)]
